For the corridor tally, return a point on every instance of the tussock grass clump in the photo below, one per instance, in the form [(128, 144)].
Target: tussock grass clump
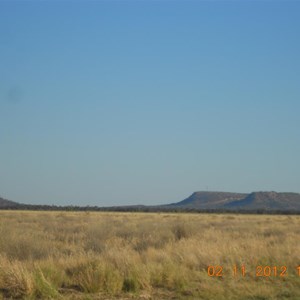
[(15, 280), (44, 288)]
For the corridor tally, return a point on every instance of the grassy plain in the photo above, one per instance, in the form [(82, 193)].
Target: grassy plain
[(91, 255)]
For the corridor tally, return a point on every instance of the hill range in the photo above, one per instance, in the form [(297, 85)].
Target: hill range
[(198, 201), (239, 201)]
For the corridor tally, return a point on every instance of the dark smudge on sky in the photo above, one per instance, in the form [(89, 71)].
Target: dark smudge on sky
[(14, 94)]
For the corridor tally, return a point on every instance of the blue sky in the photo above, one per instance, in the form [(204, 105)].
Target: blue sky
[(127, 102)]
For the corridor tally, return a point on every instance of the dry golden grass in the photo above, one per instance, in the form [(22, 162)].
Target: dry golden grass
[(88, 255)]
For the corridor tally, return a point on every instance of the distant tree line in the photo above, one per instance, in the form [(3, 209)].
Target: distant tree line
[(142, 208)]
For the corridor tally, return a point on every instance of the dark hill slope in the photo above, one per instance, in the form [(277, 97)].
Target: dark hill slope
[(7, 203), (267, 201), (209, 200)]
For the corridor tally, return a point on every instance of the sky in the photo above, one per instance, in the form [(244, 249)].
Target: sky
[(144, 102)]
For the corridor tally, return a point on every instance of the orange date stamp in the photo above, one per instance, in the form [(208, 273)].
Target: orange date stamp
[(260, 271)]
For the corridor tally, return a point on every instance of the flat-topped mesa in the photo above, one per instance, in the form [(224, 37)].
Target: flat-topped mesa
[(235, 201), (209, 200), (268, 201)]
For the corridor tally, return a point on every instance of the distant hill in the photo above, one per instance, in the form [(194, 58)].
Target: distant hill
[(237, 201), (7, 203), (268, 201), (209, 200)]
